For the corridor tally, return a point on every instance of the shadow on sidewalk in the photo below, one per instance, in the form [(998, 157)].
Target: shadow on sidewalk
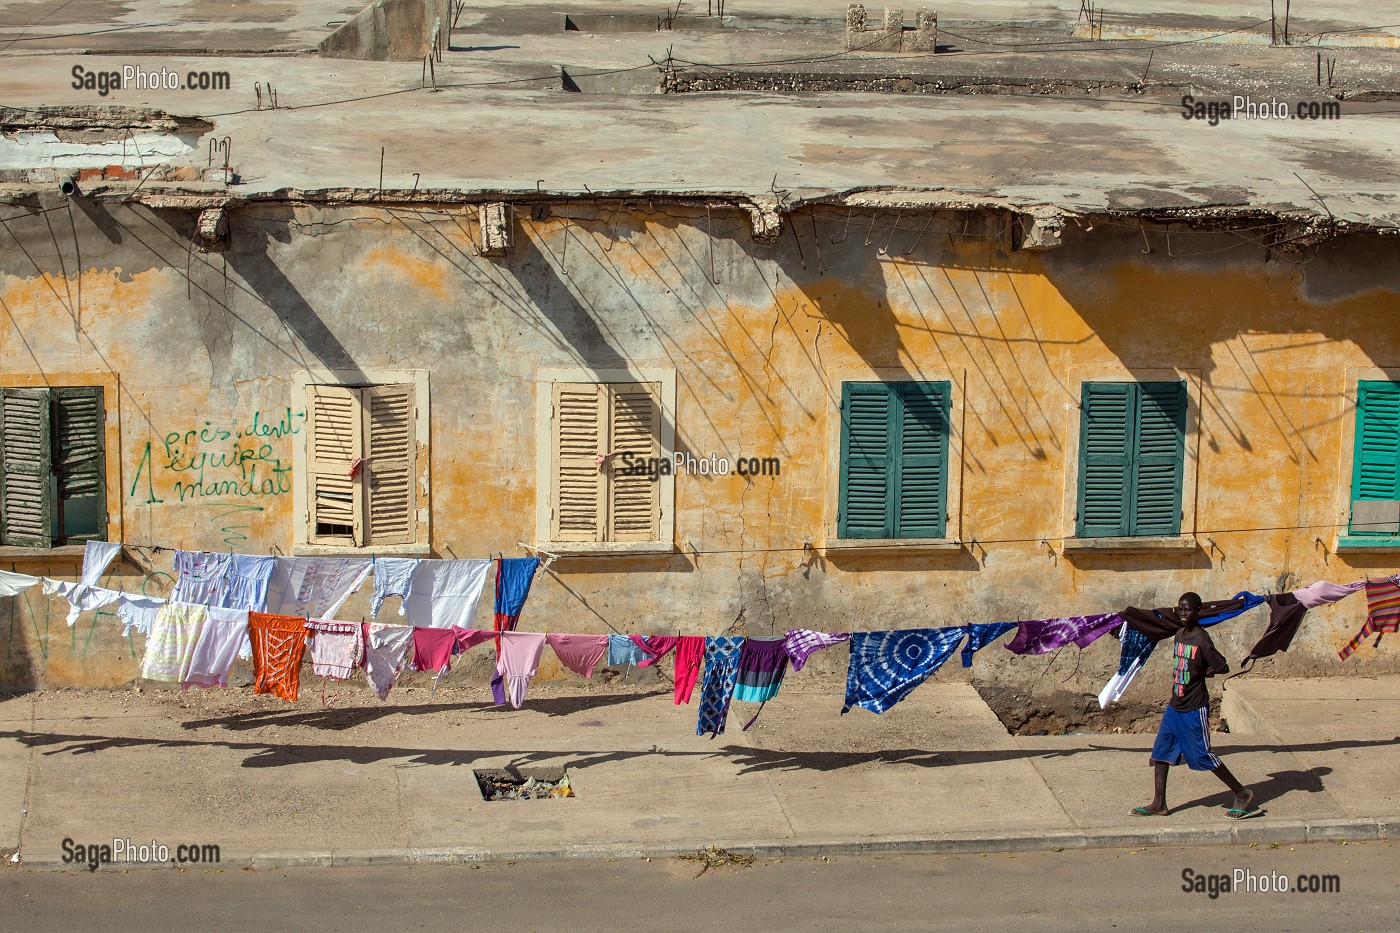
[(749, 760), (1278, 784), (351, 716)]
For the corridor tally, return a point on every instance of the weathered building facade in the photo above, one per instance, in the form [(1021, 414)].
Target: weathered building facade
[(873, 414)]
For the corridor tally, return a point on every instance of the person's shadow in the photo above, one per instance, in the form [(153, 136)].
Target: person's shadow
[(1278, 784)]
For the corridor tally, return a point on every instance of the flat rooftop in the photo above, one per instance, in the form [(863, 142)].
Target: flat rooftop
[(1020, 107)]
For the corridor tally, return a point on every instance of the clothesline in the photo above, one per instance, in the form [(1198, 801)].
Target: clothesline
[(271, 606)]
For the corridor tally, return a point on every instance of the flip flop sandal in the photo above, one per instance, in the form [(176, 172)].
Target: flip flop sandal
[(1235, 813), (1143, 811)]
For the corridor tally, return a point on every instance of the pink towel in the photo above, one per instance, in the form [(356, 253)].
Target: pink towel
[(432, 648), (579, 653), (520, 658)]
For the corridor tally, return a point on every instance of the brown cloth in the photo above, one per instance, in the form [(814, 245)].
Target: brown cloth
[(1285, 617), (278, 645), (1157, 624)]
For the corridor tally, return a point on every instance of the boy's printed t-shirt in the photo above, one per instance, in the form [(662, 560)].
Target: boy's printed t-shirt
[(1194, 658)]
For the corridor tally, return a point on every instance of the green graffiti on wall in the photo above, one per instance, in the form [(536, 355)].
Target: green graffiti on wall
[(244, 460)]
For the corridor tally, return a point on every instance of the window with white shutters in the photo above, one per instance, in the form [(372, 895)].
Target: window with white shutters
[(52, 466), (600, 433), (361, 456)]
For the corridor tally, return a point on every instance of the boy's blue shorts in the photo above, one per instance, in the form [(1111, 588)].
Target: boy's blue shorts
[(1185, 737)]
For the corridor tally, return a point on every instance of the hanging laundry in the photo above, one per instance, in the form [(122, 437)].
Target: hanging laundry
[(469, 638), (623, 651), (1045, 635), (82, 597), (279, 642), (802, 643), (200, 577), (217, 648), (171, 643), (762, 663), (1382, 614), (385, 647), (1322, 593), (655, 646), (520, 658), (314, 587), (1133, 653), (393, 576), (86, 595), (1157, 624), (432, 648), (336, 648), (1286, 612), (138, 612), (579, 653), (445, 592), (887, 666), (721, 668), (513, 578), (982, 634), (690, 651), (12, 584), (245, 585)]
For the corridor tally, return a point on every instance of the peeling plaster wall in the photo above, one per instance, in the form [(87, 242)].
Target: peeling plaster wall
[(759, 336)]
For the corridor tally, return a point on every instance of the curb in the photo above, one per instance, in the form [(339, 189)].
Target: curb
[(1247, 833)]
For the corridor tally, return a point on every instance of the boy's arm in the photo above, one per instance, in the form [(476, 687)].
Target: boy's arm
[(1215, 661)]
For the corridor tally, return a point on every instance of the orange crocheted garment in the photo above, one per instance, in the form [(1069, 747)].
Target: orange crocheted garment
[(278, 645)]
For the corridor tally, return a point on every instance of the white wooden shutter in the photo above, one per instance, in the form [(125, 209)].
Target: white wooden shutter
[(335, 441), (578, 499), (634, 500), (389, 475), (26, 500)]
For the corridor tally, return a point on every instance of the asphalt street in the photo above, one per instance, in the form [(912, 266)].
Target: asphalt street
[(1137, 889)]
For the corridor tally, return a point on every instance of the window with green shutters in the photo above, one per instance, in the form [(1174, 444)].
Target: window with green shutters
[(1375, 475), (894, 460), (52, 471), (1131, 454)]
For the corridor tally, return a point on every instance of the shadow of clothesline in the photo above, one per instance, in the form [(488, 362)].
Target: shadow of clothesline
[(749, 760), (336, 718)]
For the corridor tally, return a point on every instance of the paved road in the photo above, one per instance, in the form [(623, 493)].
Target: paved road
[(1102, 889)]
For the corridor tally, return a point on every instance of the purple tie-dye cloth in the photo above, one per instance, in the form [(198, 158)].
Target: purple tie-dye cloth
[(1045, 635)]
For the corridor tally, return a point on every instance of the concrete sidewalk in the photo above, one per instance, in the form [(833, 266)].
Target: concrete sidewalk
[(370, 783)]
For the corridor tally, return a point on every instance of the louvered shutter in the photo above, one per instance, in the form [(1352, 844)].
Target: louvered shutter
[(335, 441), (1160, 443), (78, 462), (866, 507), (580, 429), (1376, 466), (1106, 418), (26, 498), (923, 459), (634, 500), (389, 474)]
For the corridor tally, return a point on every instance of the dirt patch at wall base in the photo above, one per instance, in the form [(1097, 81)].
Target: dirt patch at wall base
[(1062, 712)]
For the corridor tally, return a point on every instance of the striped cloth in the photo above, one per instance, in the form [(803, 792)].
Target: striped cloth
[(801, 643), (1382, 614), (170, 646)]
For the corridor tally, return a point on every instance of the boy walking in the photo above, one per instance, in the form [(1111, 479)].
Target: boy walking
[(1184, 735)]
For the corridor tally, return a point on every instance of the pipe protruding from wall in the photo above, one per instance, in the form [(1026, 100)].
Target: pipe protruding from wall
[(68, 184)]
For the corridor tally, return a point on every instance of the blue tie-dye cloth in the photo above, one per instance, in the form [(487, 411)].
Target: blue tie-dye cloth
[(1136, 649), (721, 670), (982, 634), (887, 666)]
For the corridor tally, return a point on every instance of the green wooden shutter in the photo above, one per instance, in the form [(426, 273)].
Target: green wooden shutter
[(26, 500), (1105, 465), (921, 478), (1157, 467), (1376, 457), (867, 464)]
